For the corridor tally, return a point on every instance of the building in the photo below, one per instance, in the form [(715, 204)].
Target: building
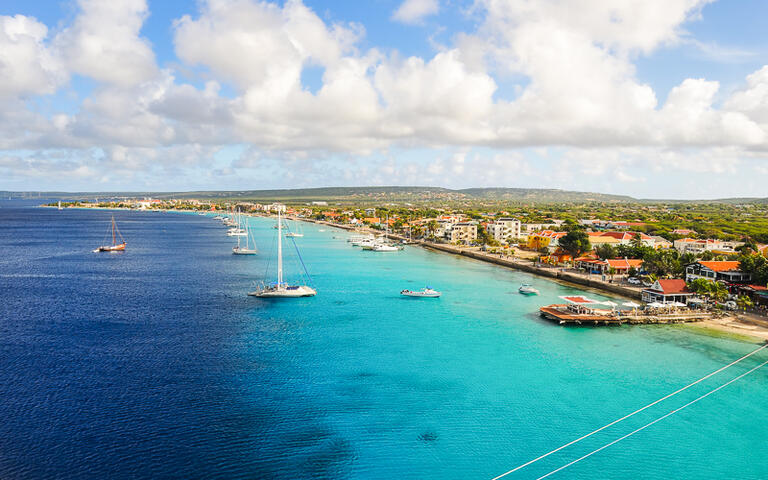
[(534, 227), (621, 266), (274, 207), (684, 232), (725, 271), (692, 245), (505, 228), (661, 243), (465, 232), (667, 291), (625, 238), (545, 238)]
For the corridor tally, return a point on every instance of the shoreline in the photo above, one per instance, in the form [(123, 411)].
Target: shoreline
[(731, 326)]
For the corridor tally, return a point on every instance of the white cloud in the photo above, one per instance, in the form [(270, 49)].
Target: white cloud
[(414, 11), (104, 43), (26, 64)]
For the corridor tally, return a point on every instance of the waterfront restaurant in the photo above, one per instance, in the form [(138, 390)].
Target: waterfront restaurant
[(725, 270), (667, 291)]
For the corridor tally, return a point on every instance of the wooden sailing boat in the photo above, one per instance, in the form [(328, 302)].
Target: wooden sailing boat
[(115, 247)]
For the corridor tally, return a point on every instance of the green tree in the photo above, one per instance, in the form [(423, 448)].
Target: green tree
[(606, 251), (575, 243)]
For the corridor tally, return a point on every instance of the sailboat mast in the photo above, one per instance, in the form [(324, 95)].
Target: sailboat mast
[(113, 231), (279, 249)]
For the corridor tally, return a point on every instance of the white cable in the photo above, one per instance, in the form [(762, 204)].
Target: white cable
[(628, 415), (655, 421)]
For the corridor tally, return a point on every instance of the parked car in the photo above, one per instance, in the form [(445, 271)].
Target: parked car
[(730, 305), (634, 281)]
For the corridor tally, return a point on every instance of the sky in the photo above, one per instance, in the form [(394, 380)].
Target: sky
[(648, 98)]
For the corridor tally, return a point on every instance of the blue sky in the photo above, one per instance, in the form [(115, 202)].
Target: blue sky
[(648, 99)]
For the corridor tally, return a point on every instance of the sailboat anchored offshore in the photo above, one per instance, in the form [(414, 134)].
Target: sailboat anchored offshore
[(281, 289), (115, 247)]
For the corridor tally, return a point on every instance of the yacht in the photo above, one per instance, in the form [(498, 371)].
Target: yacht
[(427, 292), (281, 289), (247, 249), (527, 289)]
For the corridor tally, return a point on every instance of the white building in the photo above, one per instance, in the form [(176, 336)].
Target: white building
[(505, 228), (274, 207)]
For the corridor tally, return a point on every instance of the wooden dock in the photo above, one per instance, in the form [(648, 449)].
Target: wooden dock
[(564, 316)]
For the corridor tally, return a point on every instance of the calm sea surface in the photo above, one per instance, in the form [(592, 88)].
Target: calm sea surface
[(155, 364)]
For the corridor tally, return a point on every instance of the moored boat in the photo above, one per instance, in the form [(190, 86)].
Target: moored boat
[(282, 289), (427, 292), (527, 289)]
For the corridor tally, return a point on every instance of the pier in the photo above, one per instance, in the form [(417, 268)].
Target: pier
[(570, 315)]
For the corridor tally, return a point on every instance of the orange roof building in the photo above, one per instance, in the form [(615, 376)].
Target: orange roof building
[(726, 271)]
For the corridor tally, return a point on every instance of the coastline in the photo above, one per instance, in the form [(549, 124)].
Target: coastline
[(732, 326)]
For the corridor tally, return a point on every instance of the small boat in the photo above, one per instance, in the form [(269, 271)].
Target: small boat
[(427, 292), (60, 207), (281, 289), (115, 247), (321, 230), (527, 289), (385, 247)]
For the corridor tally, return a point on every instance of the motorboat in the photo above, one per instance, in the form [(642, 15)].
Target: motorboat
[(427, 292), (527, 289), (386, 247)]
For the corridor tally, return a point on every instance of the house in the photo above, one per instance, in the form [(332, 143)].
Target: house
[(757, 293), (370, 212), (372, 220), (545, 238), (684, 232), (534, 227), (621, 266), (725, 271), (660, 243), (625, 238), (667, 291), (596, 239), (463, 232), (625, 225), (692, 245), (505, 228)]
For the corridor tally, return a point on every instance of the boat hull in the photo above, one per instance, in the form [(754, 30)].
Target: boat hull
[(284, 292), (243, 251), (112, 248)]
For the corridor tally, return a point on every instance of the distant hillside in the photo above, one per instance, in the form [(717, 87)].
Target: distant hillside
[(416, 195)]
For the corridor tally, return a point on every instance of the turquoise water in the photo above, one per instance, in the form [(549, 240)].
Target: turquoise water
[(155, 364), (475, 383)]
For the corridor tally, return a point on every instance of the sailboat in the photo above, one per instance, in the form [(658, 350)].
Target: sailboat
[(296, 232), (115, 247), (60, 207), (281, 289), (247, 249), (237, 230)]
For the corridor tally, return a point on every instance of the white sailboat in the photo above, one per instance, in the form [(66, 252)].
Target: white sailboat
[(281, 289), (247, 249), (237, 230), (60, 207), (296, 232)]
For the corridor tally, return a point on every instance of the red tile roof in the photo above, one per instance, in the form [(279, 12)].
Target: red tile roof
[(624, 263), (721, 266), (672, 286)]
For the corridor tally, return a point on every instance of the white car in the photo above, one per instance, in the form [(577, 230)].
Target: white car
[(634, 281), (730, 305)]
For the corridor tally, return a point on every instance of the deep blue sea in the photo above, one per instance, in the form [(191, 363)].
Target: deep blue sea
[(153, 363)]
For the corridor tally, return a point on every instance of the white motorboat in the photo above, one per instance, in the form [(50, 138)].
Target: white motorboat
[(424, 293), (281, 289), (527, 289), (236, 232), (385, 247)]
